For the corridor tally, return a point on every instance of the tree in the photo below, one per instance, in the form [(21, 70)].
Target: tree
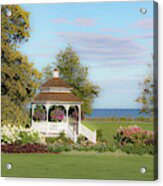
[(15, 28), (19, 80), (72, 72), (47, 73), (146, 98)]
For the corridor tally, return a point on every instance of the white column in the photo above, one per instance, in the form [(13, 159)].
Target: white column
[(47, 114), (94, 137), (67, 119), (33, 107), (79, 119)]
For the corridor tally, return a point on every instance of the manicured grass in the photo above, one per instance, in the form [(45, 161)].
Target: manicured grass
[(88, 165), (109, 127), (78, 165)]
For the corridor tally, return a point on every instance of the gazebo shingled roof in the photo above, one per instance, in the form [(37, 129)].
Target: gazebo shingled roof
[(54, 96), (57, 96), (55, 82)]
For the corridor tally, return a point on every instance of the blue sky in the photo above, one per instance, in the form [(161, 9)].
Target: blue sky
[(114, 39)]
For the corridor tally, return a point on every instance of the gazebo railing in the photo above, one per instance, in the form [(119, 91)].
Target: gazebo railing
[(71, 134), (52, 129), (49, 127), (91, 135)]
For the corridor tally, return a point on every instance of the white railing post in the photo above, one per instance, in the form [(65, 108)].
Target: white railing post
[(88, 133)]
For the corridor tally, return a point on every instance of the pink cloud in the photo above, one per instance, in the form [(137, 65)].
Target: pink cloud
[(80, 22), (106, 48), (145, 24), (84, 22), (117, 30), (143, 36)]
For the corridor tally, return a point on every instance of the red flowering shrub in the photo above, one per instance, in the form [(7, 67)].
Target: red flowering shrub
[(134, 135), (39, 113), (24, 148), (57, 115)]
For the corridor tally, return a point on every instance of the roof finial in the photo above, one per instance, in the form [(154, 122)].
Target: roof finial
[(56, 73)]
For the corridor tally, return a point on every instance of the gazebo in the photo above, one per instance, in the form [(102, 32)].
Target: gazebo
[(56, 109)]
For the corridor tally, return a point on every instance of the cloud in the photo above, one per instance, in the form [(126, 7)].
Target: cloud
[(84, 22), (105, 48), (142, 36), (80, 22), (144, 24), (41, 55), (114, 30)]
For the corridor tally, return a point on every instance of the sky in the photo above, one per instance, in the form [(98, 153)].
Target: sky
[(112, 38)]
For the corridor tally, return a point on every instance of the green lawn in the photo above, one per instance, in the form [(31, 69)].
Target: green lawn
[(79, 165), (109, 127), (88, 165)]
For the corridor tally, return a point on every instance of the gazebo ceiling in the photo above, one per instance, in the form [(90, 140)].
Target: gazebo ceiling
[(54, 96)]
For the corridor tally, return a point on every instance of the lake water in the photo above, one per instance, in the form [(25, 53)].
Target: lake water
[(105, 113)]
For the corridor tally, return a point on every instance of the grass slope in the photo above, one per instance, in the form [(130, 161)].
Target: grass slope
[(88, 166)]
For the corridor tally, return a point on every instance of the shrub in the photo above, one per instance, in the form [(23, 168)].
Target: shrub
[(20, 135), (24, 148), (61, 139), (39, 113), (104, 147), (81, 139), (138, 149), (50, 140), (134, 135), (99, 134), (59, 148), (135, 140), (13, 114), (57, 115)]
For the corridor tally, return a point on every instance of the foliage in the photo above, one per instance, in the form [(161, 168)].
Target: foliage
[(19, 80), (139, 149), (11, 113), (59, 148), (134, 135), (39, 113), (61, 139), (102, 147), (76, 75), (140, 118), (81, 139), (99, 134), (57, 115), (20, 135), (146, 98), (72, 72), (135, 140), (15, 28), (47, 73), (24, 148)]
